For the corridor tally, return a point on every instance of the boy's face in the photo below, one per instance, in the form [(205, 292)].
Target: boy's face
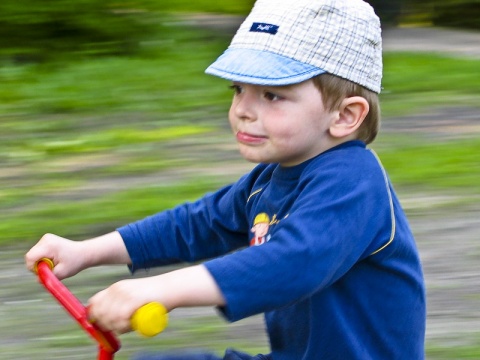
[(280, 124)]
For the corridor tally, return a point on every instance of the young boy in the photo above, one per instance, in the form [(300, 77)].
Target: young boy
[(314, 236)]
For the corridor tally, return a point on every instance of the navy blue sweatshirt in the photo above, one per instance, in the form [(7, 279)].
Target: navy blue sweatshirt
[(323, 249)]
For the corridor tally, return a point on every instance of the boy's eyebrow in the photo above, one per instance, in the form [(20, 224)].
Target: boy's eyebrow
[(279, 87)]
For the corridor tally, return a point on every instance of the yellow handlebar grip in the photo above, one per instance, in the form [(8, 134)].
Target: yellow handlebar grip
[(150, 320)]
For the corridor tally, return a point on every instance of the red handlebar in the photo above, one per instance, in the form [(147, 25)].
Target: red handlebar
[(108, 343)]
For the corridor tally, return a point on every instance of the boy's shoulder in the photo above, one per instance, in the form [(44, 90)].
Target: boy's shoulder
[(350, 157)]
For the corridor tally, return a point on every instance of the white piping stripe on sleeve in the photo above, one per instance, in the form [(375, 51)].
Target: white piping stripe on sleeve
[(392, 211)]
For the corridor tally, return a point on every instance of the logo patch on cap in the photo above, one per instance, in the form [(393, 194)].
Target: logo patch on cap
[(265, 28)]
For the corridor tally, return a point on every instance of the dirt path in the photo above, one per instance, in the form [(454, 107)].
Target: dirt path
[(435, 40)]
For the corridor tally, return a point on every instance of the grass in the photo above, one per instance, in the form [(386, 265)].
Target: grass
[(111, 139), (434, 166), (462, 352), (68, 123), (102, 213), (417, 81), (165, 77)]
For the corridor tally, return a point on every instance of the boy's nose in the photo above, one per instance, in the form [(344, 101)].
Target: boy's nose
[(243, 108)]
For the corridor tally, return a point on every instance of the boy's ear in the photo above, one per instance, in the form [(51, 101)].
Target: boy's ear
[(351, 114)]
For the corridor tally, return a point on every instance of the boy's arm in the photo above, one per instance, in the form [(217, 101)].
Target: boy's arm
[(212, 226), (113, 307), (106, 249), (71, 257)]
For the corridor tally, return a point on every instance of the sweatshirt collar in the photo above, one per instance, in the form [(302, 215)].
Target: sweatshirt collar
[(294, 172)]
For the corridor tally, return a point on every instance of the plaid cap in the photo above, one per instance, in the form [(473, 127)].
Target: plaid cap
[(284, 42)]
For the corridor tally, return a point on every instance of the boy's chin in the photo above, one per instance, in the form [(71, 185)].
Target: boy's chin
[(255, 159)]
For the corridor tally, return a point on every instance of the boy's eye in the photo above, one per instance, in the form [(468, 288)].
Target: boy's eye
[(237, 89), (268, 95), (271, 96)]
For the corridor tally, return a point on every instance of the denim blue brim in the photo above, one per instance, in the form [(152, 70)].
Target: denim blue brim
[(261, 68)]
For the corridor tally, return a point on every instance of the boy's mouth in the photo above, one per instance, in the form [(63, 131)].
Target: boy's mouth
[(250, 139)]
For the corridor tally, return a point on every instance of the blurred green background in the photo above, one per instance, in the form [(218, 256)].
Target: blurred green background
[(106, 115)]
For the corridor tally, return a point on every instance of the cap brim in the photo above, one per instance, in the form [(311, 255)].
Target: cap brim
[(261, 68)]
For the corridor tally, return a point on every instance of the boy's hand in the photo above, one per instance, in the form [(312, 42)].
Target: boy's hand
[(112, 309), (70, 257), (67, 255)]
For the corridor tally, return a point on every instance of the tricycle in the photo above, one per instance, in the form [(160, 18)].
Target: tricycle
[(148, 320)]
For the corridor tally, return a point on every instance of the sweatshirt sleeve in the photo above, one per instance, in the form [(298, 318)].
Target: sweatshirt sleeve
[(335, 220), (213, 225)]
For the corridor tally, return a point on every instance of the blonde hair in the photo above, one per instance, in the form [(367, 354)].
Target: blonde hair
[(334, 89)]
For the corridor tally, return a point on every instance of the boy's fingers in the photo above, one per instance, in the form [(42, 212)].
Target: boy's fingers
[(107, 313), (31, 259), (90, 317), (41, 250), (95, 311)]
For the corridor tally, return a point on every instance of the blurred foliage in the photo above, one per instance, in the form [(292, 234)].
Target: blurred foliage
[(457, 13), (389, 12), (203, 6), (449, 13), (165, 75), (34, 31)]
